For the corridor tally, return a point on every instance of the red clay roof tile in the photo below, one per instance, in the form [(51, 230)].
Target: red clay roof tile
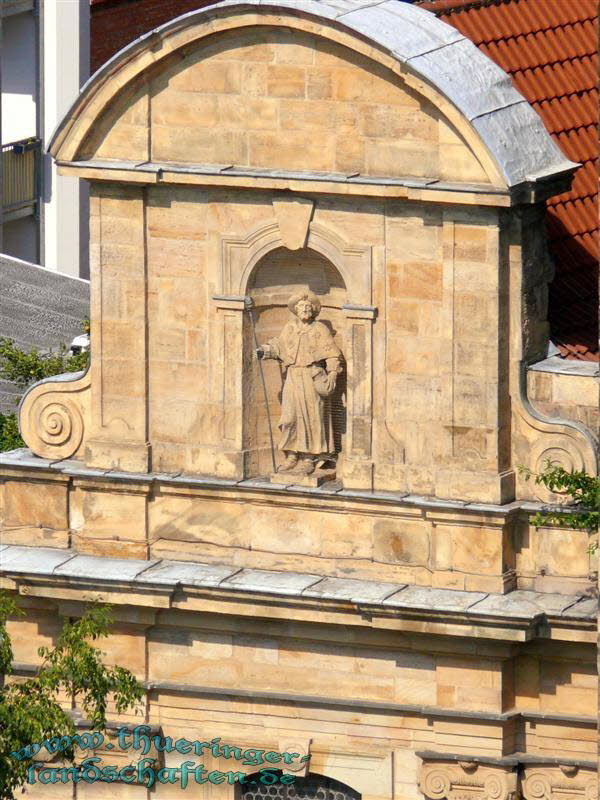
[(550, 50)]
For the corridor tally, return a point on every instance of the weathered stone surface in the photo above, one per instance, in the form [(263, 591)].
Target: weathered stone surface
[(188, 574), (33, 560), (356, 591), (584, 609), (256, 580), (43, 505), (523, 604), (112, 569), (567, 389), (435, 599)]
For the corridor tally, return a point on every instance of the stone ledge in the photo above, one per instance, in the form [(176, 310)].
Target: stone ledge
[(564, 366), (254, 695), (23, 458), (520, 608), (161, 171), (511, 760)]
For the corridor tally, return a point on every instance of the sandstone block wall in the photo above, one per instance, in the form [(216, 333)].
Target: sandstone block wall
[(569, 396), (421, 680), (441, 405), (446, 548), (264, 97)]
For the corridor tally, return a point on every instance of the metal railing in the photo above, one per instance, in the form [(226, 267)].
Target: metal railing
[(20, 166)]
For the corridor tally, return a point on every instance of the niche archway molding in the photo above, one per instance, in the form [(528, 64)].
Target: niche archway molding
[(239, 257)]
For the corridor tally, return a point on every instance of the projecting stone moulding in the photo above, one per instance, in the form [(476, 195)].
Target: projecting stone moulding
[(471, 779), (463, 780)]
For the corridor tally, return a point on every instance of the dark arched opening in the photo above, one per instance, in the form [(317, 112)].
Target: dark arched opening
[(311, 787)]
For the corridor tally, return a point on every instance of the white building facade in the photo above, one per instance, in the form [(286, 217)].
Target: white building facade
[(44, 62)]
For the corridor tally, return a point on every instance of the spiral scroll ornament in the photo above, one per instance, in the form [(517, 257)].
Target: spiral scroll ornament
[(560, 456), (563, 453), (494, 788), (54, 428), (436, 784), (591, 789), (537, 786)]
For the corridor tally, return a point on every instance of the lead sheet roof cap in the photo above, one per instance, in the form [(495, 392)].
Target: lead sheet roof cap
[(482, 92)]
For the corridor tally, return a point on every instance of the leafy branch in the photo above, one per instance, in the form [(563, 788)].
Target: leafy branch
[(582, 509), (30, 710), (22, 368)]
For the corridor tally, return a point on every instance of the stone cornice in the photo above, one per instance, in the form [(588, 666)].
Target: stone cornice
[(222, 589), (21, 463), (304, 182)]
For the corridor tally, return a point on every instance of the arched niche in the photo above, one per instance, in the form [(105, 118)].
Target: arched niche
[(277, 276), (241, 254), (245, 445)]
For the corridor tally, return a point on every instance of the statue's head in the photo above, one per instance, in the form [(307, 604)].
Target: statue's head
[(305, 306)]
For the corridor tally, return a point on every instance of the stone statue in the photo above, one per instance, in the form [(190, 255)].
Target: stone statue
[(311, 363)]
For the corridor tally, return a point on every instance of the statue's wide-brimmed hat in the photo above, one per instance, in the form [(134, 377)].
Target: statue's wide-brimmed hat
[(312, 299)]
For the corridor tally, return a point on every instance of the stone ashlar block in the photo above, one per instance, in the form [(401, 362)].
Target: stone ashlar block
[(34, 504), (110, 515), (421, 280), (286, 81)]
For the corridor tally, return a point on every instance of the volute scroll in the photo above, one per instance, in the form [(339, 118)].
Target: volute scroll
[(53, 415)]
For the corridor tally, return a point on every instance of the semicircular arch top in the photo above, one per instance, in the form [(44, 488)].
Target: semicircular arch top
[(437, 67)]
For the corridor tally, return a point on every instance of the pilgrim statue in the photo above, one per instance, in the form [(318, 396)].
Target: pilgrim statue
[(311, 362)]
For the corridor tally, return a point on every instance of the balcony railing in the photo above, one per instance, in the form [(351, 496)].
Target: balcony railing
[(20, 171)]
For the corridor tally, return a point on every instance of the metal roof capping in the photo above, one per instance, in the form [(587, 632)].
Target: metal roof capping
[(434, 51)]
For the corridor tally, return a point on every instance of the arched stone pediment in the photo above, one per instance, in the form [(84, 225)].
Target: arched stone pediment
[(387, 90)]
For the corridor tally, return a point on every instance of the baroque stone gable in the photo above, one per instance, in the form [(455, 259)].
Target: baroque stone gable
[(318, 277)]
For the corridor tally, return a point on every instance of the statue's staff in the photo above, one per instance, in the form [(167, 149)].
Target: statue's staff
[(264, 385)]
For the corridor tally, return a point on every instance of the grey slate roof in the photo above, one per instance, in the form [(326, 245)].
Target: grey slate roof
[(524, 606), (509, 127), (38, 308)]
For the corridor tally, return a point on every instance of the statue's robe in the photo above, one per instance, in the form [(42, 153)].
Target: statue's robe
[(305, 352)]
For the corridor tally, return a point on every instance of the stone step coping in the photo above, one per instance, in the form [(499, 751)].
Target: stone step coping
[(410, 182), (512, 760), (566, 366), (520, 605), (24, 458)]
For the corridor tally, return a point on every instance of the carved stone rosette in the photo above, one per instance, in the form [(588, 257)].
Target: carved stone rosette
[(463, 780), (53, 415)]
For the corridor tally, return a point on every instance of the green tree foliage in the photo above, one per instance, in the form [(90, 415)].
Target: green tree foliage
[(582, 491), (10, 438), (25, 367), (30, 711)]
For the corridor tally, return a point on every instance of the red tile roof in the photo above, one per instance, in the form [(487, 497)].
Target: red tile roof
[(550, 50), (116, 23)]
